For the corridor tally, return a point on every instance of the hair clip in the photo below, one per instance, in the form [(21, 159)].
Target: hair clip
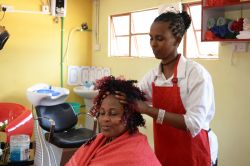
[(170, 7)]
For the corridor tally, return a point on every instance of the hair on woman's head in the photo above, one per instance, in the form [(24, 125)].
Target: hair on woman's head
[(111, 85), (178, 22)]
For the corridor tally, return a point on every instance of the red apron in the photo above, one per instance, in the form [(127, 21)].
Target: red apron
[(175, 147)]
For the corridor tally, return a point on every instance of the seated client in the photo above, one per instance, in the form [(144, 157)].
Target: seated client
[(120, 142)]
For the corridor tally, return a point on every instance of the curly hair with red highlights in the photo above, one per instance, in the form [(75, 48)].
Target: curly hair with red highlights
[(111, 85)]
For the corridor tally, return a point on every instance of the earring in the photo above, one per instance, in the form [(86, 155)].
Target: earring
[(124, 122)]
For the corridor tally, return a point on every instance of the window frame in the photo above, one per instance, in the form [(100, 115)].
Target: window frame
[(130, 35), (183, 45), (186, 7), (113, 28)]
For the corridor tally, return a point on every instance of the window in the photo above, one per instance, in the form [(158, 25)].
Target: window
[(129, 35), (193, 35)]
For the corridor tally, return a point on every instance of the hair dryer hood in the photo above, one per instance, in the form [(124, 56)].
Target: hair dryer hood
[(4, 36)]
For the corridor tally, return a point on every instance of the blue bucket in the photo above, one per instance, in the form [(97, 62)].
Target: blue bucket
[(76, 107)]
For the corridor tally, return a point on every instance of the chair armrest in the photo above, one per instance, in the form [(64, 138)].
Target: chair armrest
[(52, 126), (93, 117)]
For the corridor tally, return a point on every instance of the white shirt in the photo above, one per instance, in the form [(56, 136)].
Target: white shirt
[(196, 88)]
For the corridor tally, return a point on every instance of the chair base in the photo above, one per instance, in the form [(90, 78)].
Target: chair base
[(61, 155), (47, 154)]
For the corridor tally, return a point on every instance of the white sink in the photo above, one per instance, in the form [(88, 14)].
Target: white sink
[(44, 94), (85, 93), (88, 96)]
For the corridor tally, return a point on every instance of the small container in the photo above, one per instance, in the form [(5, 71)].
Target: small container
[(19, 147)]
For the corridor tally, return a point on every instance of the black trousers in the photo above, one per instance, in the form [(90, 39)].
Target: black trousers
[(216, 163)]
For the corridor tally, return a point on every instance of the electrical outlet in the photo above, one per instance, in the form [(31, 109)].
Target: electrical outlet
[(239, 47), (97, 47), (45, 8), (7, 8)]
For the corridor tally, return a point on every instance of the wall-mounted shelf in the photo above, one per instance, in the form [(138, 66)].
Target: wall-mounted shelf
[(219, 10), (229, 6)]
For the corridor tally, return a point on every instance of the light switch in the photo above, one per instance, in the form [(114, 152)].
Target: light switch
[(97, 47)]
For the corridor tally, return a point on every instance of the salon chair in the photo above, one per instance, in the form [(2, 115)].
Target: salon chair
[(57, 137)]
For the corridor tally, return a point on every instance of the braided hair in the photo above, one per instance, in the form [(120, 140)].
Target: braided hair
[(111, 85), (178, 22)]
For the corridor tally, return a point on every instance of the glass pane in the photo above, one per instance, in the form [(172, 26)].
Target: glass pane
[(140, 46), (141, 21), (197, 49), (194, 47), (121, 25), (196, 16), (191, 44), (208, 48), (120, 46)]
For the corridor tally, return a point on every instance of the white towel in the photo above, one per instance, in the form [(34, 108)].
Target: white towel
[(246, 33), (246, 24), (246, 28), (243, 35), (246, 20)]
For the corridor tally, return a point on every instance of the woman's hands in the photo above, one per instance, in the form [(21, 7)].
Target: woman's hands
[(142, 106), (121, 97)]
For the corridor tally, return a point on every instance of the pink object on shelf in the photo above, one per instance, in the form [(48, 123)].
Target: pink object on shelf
[(210, 3), (20, 119)]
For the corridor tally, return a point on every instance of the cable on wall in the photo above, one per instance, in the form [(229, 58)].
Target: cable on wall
[(62, 47), (97, 21)]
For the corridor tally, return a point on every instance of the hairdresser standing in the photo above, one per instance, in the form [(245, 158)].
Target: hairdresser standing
[(182, 97)]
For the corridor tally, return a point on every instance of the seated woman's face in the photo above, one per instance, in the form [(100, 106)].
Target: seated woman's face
[(110, 117)]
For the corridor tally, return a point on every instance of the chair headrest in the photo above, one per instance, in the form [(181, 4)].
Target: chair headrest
[(63, 115)]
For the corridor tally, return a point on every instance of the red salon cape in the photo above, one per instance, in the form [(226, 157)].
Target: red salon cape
[(126, 150)]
